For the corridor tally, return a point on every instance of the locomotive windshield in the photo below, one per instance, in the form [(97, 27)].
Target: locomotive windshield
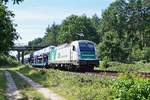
[(86, 47)]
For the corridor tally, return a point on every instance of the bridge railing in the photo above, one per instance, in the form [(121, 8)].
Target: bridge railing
[(20, 44), (23, 47)]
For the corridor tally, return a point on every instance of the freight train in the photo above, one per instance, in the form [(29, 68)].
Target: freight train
[(77, 55)]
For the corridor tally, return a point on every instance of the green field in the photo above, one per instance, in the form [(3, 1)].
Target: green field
[(75, 86), (2, 86)]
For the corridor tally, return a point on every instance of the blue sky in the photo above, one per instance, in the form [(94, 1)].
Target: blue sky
[(33, 16)]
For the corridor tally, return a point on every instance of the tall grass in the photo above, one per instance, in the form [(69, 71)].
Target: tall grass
[(8, 61), (2, 86)]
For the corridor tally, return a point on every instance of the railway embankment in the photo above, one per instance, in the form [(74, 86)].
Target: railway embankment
[(78, 86)]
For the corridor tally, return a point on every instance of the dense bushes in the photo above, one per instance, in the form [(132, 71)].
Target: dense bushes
[(147, 54), (104, 63), (129, 87), (137, 54), (8, 61)]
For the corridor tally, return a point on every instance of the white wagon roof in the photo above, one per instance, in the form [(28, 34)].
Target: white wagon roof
[(43, 51), (62, 46)]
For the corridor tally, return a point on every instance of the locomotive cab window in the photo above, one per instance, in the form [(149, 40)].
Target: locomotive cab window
[(86, 47)]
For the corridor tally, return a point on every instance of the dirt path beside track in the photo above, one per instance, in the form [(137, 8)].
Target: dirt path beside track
[(12, 92), (45, 91)]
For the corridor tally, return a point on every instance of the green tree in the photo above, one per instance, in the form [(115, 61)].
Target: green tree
[(7, 31), (111, 47), (14, 1), (129, 21), (35, 42), (138, 22), (95, 21), (75, 28), (51, 35)]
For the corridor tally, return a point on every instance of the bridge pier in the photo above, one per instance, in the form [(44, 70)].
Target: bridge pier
[(22, 60), (18, 56), (21, 48)]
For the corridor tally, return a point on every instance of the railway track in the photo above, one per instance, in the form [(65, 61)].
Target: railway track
[(103, 73), (116, 73), (145, 74)]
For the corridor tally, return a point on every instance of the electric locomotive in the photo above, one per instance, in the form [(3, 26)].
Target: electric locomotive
[(80, 54)]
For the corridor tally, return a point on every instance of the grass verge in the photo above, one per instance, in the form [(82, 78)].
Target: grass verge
[(72, 86), (75, 86), (2, 86), (27, 92), (124, 67)]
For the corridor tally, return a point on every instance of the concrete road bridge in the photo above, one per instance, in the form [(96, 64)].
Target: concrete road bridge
[(21, 47)]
